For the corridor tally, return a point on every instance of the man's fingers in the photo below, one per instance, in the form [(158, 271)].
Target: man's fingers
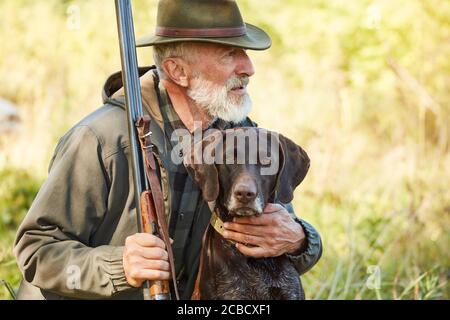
[(145, 258), (273, 207), (243, 238), (258, 230), (161, 265), (137, 251), (146, 240), (154, 253), (147, 274)]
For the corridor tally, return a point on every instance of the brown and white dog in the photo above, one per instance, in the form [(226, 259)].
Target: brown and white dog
[(239, 179)]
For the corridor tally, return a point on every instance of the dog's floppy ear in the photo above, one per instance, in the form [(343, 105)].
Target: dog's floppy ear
[(204, 174), (294, 166)]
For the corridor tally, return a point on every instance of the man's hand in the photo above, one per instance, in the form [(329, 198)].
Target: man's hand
[(270, 235), (145, 258)]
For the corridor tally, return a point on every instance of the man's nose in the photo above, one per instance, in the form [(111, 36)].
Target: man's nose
[(245, 64), (245, 190)]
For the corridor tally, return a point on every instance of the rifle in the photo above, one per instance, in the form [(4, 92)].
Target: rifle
[(148, 196)]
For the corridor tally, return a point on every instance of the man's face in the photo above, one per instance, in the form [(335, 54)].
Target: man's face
[(218, 81)]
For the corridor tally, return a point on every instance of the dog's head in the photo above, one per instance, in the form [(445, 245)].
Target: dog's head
[(245, 168)]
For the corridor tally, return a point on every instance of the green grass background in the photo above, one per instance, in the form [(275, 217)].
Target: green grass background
[(363, 86)]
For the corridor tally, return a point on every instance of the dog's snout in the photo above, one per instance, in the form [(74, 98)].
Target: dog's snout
[(245, 190), (244, 195)]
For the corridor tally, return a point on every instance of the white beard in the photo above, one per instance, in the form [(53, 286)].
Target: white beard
[(217, 101)]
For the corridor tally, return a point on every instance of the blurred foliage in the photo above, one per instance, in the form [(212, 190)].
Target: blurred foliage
[(363, 86), (17, 191)]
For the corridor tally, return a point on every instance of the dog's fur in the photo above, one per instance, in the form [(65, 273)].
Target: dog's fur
[(241, 190)]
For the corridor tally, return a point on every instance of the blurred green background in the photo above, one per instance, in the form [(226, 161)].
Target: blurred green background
[(363, 86)]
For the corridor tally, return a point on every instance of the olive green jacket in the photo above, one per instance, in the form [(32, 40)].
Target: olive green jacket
[(70, 243)]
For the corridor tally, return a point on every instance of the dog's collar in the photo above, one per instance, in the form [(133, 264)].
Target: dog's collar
[(217, 223), (215, 220)]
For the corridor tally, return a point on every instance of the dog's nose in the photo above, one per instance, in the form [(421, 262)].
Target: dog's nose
[(245, 191)]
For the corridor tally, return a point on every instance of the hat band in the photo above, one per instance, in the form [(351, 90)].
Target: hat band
[(200, 33)]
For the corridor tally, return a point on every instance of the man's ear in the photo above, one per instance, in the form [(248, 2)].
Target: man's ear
[(204, 174), (294, 167), (176, 70)]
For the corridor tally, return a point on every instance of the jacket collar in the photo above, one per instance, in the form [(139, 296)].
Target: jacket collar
[(113, 93)]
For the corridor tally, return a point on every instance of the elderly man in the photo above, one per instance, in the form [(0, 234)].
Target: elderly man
[(80, 239)]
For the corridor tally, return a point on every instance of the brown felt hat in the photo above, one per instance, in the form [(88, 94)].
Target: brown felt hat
[(214, 21)]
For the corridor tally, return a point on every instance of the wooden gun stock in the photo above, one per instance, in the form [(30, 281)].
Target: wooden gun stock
[(159, 289)]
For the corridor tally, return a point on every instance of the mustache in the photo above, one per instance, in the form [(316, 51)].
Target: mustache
[(235, 82)]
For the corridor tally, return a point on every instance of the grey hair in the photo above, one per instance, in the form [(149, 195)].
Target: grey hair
[(184, 50)]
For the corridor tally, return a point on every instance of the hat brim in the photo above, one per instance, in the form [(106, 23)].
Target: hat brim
[(254, 39)]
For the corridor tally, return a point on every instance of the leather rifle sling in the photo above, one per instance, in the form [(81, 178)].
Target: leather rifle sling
[(143, 127)]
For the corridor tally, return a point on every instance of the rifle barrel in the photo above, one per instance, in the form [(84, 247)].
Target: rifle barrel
[(133, 100)]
